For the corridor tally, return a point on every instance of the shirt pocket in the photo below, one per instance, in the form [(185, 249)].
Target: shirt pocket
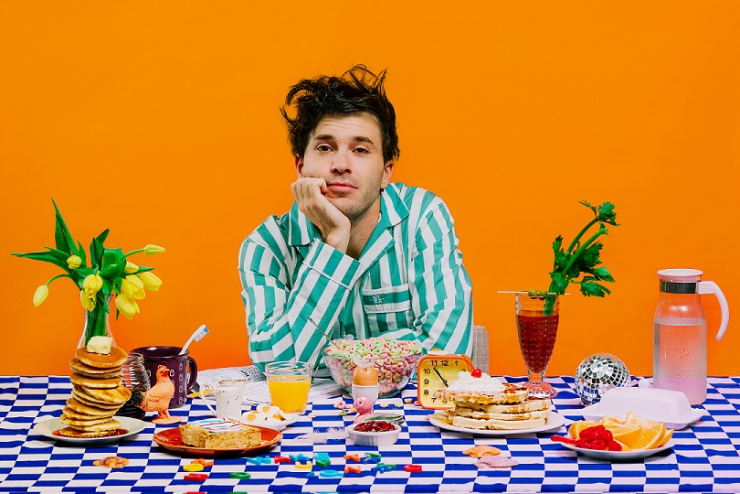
[(387, 308)]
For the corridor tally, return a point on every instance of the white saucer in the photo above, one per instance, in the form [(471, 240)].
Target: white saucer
[(617, 455), (555, 421)]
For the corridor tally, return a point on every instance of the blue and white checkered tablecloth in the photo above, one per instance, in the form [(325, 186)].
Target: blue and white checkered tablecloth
[(705, 456)]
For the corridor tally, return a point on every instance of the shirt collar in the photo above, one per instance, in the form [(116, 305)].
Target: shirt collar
[(392, 211)]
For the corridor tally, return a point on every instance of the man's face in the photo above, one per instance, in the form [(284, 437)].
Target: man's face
[(347, 152)]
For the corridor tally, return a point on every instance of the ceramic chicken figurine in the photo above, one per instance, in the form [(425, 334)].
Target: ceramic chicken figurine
[(364, 407), (157, 399)]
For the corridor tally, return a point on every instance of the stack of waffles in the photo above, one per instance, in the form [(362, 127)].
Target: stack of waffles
[(487, 403)]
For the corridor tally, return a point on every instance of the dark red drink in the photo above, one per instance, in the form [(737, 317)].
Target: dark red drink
[(537, 339)]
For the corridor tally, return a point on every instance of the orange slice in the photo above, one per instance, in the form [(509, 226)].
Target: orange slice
[(666, 437), (624, 446), (650, 433), (613, 422), (575, 428), (625, 434)]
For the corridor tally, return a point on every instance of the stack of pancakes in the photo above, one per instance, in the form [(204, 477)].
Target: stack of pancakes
[(509, 409), (97, 393)]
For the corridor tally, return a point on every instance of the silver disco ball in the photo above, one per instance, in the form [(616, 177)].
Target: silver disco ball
[(598, 374)]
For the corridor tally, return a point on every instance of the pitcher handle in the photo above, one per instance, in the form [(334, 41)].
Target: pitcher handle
[(707, 287), (202, 397)]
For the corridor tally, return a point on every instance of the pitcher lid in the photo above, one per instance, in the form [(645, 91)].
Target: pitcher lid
[(680, 275)]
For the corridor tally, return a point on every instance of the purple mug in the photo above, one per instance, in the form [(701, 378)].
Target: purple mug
[(183, 369)]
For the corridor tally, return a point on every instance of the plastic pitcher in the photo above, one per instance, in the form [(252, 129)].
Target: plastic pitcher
[(680, 338)]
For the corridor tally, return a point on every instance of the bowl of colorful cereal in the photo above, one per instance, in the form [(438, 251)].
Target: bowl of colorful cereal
[(395, 361)]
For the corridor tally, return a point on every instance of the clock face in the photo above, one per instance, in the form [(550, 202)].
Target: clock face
[(438, 372)]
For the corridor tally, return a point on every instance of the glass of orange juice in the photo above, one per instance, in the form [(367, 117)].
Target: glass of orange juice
[(289, 383)]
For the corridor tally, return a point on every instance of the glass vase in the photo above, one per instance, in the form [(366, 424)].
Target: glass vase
[(537, 333), (97, 323)]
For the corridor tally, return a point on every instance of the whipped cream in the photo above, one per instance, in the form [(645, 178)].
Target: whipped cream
[(483, 384)]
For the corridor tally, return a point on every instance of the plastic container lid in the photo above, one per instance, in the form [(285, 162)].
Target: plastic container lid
[(660, 405)]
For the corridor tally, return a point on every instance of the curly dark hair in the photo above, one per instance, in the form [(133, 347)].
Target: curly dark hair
[(357, 90)]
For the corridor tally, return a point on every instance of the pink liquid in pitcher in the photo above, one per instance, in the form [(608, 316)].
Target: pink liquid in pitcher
[(680, 357)]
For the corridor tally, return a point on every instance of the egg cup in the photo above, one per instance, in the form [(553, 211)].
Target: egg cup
[(371, 392)]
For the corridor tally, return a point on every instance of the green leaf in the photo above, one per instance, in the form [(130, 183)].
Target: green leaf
[(593, 289), (96, 253), (81, 253), (591, 256), (103, 236), (42, 256), (603, 274), (588, 205), (144, 269), (113, 264), (557, 244), (107, 285), (59, 255), (559, 283), (607, 214), (62, 235)]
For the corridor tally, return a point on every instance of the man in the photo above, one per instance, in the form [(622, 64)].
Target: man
[(356, 256)]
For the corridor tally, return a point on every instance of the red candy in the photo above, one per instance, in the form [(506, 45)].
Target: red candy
[(476, 373), (563, 439), (412, 468), (597, 437), (197, 477)]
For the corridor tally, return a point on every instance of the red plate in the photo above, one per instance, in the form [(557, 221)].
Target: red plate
[(170, 439)]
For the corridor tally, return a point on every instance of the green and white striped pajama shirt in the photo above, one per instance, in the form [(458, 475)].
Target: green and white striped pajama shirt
[(409, 282)]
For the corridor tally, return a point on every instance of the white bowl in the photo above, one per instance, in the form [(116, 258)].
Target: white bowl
[(373, 438), (660, 405)]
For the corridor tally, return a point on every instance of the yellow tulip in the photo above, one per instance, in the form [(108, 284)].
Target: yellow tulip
[(74, 262), (92, 283), (126, 305), (41, 293), (138, 285), (151, 281), (130, 268), (87, 302), (133, 287), (152, 249)]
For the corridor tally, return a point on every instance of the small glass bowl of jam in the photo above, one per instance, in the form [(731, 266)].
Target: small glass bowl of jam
[(374, 433)]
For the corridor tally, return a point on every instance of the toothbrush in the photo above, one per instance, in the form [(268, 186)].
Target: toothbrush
[(197, 336)]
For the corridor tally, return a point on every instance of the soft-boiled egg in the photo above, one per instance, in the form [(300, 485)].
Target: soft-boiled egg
[(365, 376)]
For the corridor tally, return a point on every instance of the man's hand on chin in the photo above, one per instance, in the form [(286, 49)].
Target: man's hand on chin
[(331, 222)]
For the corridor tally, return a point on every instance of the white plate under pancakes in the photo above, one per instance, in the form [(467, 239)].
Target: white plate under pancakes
[(47, 428), (553, 422)]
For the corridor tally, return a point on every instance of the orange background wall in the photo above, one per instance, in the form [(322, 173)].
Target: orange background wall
[(159, 120)]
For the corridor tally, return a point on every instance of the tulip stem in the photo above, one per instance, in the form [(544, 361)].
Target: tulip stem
[(65, 275), (137, 251)]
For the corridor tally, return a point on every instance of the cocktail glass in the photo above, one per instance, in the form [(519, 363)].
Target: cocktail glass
[(537, 333)]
